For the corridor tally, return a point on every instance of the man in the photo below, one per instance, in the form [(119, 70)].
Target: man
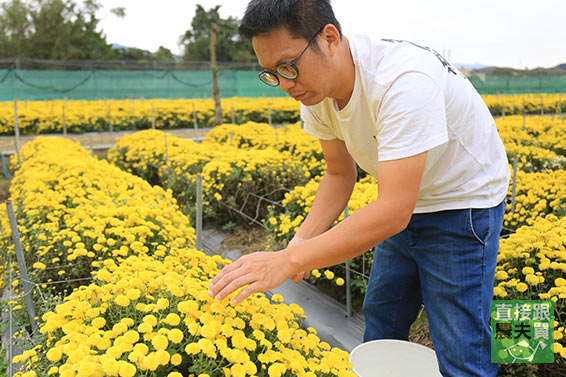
[(409, 118)]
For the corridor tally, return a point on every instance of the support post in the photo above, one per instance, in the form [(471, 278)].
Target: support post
[(110, 119), (22, 265), (17, 129), (514, 188), (199, 214), (214, 30), (195, 116), (348, 278)]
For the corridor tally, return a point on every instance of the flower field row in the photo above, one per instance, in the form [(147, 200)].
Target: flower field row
[(540, 202), (510, 104), (41, 117), (538, 142), (231, 169), (53, 194), (145, 310), (531, 265), (235, 180)]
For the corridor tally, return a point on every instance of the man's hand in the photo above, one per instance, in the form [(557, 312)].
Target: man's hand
[(260, 271), (304, 274)]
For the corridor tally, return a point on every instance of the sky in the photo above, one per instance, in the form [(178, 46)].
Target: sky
[(507, 33)]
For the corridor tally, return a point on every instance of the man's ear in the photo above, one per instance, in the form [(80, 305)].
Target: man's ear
[(331, 38)]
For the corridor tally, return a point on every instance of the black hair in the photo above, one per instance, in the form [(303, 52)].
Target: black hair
[(302, 18)]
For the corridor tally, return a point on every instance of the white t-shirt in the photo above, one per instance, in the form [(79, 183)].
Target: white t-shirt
[(407, 99)]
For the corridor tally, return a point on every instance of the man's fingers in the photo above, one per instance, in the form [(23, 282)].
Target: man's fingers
[(224, 278), (224, 271), (300, 276), (246, 292), (232, 286)]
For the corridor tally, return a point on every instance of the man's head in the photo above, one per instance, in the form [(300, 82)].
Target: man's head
[(283, 31), (302, 18)]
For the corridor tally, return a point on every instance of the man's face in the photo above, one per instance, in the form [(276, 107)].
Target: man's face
[(278, 46)]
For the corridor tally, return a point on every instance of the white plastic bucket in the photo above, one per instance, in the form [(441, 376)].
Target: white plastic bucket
[(394, 358)]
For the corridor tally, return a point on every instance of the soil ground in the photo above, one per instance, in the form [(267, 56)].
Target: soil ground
[(4, 189)]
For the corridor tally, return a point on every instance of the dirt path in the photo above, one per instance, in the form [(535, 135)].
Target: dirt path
[(102, 139), (4, 189)]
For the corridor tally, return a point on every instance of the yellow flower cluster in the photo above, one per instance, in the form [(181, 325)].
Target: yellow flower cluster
[(245, 136), (537, 195), (299, 201), (75, 210), (40, 117), (303, 146), (531, 265), (154, 317), (232, 176), (538, 142), (530, 103), (159, 157)]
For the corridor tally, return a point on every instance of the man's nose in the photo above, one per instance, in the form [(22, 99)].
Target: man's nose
[(286, 84)]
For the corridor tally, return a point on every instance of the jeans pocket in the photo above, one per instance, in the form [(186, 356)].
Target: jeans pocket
[(480, 223)]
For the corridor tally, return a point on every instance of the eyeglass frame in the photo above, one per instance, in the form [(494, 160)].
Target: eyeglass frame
[(290, 64)]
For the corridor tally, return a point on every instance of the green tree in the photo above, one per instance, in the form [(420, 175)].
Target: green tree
[(53, 29), (230, 46), (163, 53), (15, 28)]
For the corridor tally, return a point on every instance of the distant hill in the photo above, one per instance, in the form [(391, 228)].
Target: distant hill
[(559, 70)]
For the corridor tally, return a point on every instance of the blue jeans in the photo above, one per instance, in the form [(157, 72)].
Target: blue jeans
[(446, 261)]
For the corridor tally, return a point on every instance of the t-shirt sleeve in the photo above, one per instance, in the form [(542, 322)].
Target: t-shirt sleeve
[(313, 126), (411, 118)]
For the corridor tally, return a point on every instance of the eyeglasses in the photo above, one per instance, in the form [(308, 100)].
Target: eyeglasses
[(287, 69)]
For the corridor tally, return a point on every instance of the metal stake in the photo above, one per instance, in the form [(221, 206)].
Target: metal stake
[(195, 116), (22, 264), (514, 188), (11, 331), (348, 278), (17, 128), (199, 213), (110, 119)]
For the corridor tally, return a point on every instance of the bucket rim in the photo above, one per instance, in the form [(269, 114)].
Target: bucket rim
[(413, 344)]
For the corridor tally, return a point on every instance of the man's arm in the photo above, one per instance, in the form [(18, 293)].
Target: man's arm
[(399, 182), (334, 191)]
